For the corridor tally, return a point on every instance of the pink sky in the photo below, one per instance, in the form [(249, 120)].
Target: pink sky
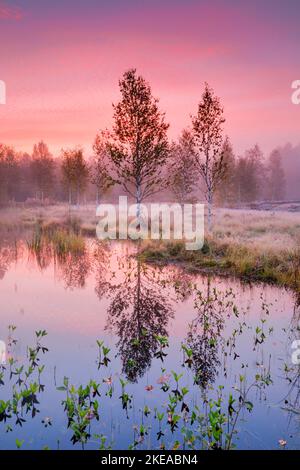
[(61, 62)]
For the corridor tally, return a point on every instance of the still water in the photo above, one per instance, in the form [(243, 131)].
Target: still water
[(146, 316)]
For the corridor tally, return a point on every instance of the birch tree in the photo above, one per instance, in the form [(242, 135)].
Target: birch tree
[(75, 172), (208, 140), (9, 173), (250, 175), (99, 170), (138, 144), (226, 192), (182, 168), (276, 177), (42, 168)]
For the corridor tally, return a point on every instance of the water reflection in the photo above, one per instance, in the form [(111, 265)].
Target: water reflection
[(204, 334), (291, 402), (101, 263), (72, 266), (139, 306), (42, 258), (9, 253), (138, 314), (74, 269), (137, 302)]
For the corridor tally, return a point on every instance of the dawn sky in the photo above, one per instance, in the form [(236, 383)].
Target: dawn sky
[(61, 61)]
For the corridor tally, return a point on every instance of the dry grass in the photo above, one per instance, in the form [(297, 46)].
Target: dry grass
[(83, 217), (216, 257), (261, 230), (260, 245), (253, 245), (241, 225)]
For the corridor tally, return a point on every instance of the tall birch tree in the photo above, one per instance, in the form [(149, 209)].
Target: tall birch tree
[(138, 145), (208, 140)]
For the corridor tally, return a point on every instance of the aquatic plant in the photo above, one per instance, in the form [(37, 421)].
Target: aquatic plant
[(192, 409)]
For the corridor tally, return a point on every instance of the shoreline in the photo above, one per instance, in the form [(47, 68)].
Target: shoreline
[(272, 269), (246, 245)]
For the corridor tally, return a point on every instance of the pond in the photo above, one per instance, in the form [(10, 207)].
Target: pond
[(105, 351)]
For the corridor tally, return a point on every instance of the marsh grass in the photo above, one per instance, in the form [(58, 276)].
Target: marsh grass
[(249, 263), (65, 243), (36, 241), (253, 245), (60, 240)]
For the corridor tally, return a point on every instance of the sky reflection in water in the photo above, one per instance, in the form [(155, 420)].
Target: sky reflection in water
[(106, 294)]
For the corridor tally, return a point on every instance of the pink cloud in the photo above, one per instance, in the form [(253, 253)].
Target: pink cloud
[(8, 12), (62, 80)]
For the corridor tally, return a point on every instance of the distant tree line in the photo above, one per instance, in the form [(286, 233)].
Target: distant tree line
[(136, 155)]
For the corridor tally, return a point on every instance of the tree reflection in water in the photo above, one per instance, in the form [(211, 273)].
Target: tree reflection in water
[(101, 263), (204, 335), (139, 312), (9, 252), (74, 269)]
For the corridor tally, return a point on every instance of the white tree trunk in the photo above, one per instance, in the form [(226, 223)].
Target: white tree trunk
[(209, 211), (138, 202)]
